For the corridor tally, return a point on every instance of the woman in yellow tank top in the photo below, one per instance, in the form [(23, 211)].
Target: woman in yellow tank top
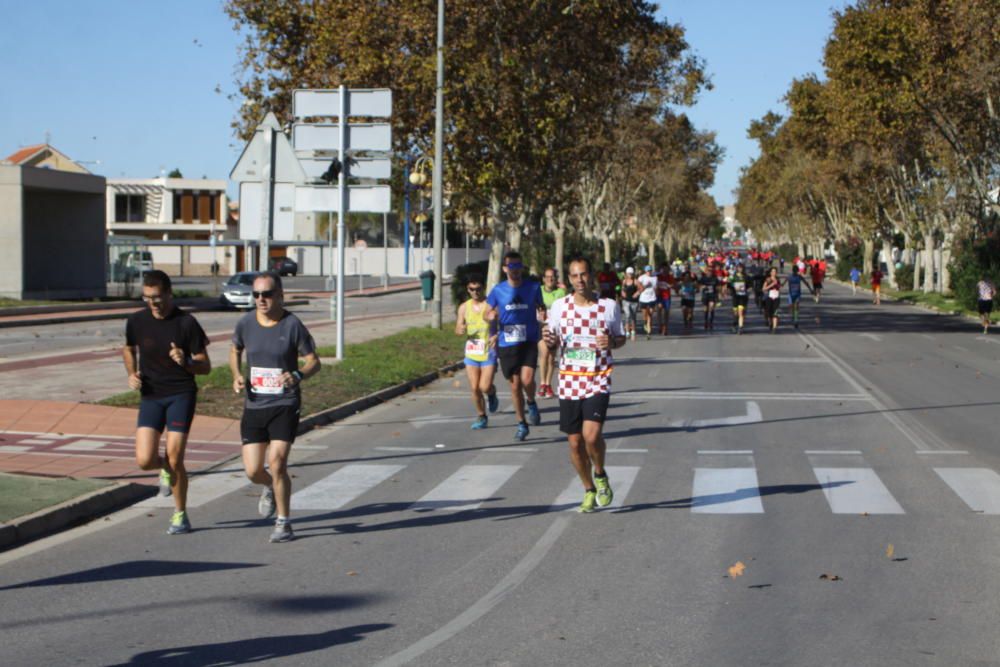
[(480, 350)]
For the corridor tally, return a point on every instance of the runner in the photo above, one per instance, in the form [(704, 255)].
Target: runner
[(709, 295), (274, 340), (588, 329), (688, 289), (647, 298), (817, 273), (480, 350), (630, 301), (546, 362), (738, 288), (607, 282), (987, 293), (664, 293), (772, 297), (855, 279), (756, 277), (795, 283), (171, 350), (516, 303), (876, 279)]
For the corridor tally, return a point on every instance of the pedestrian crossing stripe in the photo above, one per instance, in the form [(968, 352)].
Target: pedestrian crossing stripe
[(714, 490)]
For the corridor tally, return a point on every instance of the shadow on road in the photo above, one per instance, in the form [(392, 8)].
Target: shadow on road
[(133, 569), (257, 649)]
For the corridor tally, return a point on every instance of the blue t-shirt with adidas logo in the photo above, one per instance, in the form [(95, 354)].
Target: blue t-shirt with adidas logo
[(516, 308)]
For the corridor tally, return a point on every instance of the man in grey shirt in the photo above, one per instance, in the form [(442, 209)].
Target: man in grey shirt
[(274, 340)]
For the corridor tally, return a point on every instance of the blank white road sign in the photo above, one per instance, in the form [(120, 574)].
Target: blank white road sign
[(315, 167), (326, 137), (360, 198), (372, 102)]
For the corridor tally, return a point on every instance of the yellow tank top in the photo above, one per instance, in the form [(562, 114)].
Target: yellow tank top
[(477, 332)]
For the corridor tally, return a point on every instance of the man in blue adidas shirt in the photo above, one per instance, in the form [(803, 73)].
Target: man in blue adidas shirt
[(795, 283), (516, 304)]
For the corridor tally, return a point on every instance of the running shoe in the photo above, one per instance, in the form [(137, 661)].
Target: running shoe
[(282, 532), (589, 502), (166, 481), (179, 524), (266, 506), (480, 423), (522, 432), (534, 417), (492, 402), (604, 493)]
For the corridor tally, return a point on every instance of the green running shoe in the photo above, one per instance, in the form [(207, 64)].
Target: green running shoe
[(604, 493), (589, 502), (179, 524), (166, 481)]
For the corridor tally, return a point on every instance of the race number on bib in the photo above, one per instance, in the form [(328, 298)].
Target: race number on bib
[(584, 357), (773, 294), (515, 333), (475, 347), (266, 380)]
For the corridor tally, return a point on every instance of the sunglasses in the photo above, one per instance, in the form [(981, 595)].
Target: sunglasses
[(153, 299), (266, 294), (515, 266)]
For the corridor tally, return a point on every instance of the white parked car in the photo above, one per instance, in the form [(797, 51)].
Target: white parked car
[(236, 292)]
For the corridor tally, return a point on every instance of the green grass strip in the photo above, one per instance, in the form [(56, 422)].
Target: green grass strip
[(24, 494), (367, 367)]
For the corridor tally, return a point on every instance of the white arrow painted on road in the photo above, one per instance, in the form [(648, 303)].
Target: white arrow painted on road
[(752, 416)]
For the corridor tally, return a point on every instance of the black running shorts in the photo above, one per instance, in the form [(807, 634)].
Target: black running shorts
[(280, 422), (572, 413), (514, 357), (740, 301), (985, 306)]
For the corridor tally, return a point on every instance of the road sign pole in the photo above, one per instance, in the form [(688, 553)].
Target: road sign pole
[(341, 217), (436, 310)]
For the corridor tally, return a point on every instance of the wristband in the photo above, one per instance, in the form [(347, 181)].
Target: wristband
[(297, 374)]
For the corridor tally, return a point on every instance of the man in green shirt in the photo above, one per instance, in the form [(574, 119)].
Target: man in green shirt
[(546, 361)]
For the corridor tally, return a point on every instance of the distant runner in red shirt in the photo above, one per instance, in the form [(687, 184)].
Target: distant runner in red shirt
[(877, 286)]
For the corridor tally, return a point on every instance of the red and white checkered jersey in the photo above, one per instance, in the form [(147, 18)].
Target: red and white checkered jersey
[(584, 370)]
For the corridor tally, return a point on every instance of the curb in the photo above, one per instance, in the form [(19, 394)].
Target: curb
[(88, 507), (81, 509)]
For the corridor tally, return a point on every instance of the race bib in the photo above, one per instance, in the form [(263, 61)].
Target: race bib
[(584, 357), (266, 380), (515, 333), (475, 347), (773, 294)]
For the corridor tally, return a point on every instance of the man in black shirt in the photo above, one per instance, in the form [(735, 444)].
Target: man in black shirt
[(169, 346)]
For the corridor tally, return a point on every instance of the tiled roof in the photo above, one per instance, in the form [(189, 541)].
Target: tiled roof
[(24, 153)]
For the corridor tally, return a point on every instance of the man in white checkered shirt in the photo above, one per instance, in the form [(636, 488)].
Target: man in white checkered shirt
[(587, 329)]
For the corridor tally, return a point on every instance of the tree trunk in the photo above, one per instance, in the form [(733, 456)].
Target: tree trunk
[(651, 249), (871, 259), (939, 277), (498, 229), (916, 271), (802, 248), (928, 266), (606, 239), (945, 260), (890, 265)]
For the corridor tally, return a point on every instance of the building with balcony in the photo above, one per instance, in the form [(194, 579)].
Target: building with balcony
[(172, 209)]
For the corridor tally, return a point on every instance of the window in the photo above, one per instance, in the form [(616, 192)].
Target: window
[(130, 208)]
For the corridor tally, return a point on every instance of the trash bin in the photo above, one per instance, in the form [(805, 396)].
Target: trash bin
[(427, 284)]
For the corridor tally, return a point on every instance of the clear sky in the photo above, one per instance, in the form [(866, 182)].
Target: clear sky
[(141, 86)]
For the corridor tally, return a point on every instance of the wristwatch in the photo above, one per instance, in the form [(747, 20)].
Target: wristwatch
[(297, 374)]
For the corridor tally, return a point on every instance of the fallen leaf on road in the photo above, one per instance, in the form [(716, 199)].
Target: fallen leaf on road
[(456, 383), (830, 577), (352, 573), (889, 551), (396, 434), (737, 569)]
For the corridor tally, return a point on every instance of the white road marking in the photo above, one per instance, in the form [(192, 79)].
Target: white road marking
[(726, 491), (749, 360), (653, 372), (404, 449), (752, 416), (621, 479), (724, 452), (874, 337), (942, 452), (37, 441), (709, 396), (467, 488), (510, 450), (979, 488), (629, 451), (486, 603), (203, 489), (833, 452), (928, 336), (338, 489), (856, 491), (82, 445), (961, 349), (428, 420), (14, 449), (988, 340)]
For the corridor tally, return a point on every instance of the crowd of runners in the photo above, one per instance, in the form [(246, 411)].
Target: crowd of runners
[(529, 329)]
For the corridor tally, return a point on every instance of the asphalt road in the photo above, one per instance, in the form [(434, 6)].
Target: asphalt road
[(823, 497)]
